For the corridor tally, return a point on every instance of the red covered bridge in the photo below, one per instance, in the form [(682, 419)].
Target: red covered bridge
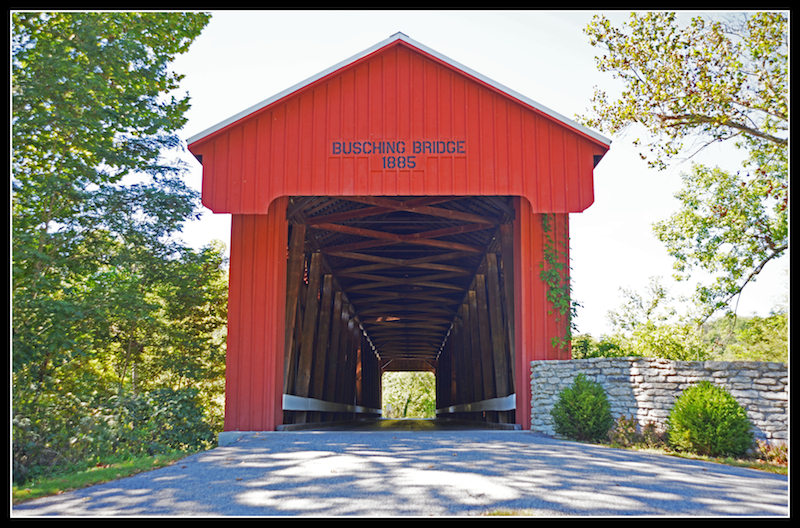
[(393, 212)]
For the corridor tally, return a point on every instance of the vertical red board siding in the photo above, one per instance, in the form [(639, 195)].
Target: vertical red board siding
[(333, 124), (254, 364), (398, 94), (572, 194), (486, 134), (276, 150), (292, 185), (235, 155), (536, 322), (515, 153), (249, 164), (305, 146)]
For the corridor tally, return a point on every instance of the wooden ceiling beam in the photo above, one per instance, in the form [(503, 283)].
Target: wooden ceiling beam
[(421, 209)]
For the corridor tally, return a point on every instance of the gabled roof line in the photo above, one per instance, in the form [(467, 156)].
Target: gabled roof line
[(408, 40)]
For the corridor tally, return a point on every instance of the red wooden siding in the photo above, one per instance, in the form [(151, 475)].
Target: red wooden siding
[(398, 94), (481, 141), (254, 366), (536, 324), (255, 332)]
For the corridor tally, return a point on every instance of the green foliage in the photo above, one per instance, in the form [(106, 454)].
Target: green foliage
[(154, 362), (750, 338), (654, 306), (762, 339), (117, 327), (648, 326), (163, 419), (409, 394), (728, 225), (677, 342), (88, 88), (555, 275), (53, 429), (717, 80), (691, 86), (585, 347), (582, 411), (725, 339), (707, 420), (89, 107)]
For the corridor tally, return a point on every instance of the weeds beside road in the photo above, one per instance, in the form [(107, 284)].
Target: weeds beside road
[(78, 478)]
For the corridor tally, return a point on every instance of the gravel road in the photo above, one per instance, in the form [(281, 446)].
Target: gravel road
[(422, 473)]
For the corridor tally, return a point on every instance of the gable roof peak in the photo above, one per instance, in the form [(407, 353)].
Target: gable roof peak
[(408, 40)]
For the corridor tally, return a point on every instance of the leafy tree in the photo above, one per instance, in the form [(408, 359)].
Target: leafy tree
[(150, 377), (692, 86), (649, 326), (585, 347), (114, 320), (729, 225), (409, 394), (646, 324), (751, 338), (763, 339), (653, 307), (90, 106)]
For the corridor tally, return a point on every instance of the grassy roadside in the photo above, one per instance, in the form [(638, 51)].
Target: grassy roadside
[(98, 474), (752, 463), (758, 464)]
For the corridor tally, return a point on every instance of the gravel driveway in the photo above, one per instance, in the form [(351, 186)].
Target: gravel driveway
[(421, 473)]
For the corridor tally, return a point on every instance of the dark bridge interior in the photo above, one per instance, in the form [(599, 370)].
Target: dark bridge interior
[(419, 283)]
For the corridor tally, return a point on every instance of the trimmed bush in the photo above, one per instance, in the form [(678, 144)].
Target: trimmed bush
[(582, 411), (707, 420)]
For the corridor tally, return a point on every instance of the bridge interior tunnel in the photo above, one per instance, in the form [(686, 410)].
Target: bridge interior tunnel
[(416, 283)]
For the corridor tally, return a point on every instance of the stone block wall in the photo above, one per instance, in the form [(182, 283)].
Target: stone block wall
[(646, 388)]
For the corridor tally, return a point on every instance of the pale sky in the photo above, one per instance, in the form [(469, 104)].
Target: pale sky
[(245, 57)]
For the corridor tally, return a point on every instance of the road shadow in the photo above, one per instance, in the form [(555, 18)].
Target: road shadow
[(401, 473)]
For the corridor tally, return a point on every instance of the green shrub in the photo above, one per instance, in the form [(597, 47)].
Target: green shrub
[(162, 420), (582, 411), (52, 431), (707, 420)]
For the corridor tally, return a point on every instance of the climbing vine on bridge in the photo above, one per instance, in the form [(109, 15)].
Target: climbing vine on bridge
[(555, 274)]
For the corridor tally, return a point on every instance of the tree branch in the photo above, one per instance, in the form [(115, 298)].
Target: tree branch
[(687, 119), (775, 254)]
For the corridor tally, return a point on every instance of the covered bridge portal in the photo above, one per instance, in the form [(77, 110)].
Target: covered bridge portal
[(394, 212)]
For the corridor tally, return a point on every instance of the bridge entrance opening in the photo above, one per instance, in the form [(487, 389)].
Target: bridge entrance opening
[(377, 284), (408, 394)]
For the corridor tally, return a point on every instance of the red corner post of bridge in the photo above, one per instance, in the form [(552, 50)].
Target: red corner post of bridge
[(394, 211)]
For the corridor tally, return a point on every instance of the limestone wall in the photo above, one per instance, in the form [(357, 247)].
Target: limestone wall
[(646, 388)]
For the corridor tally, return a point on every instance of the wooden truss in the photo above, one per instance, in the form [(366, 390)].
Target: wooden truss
[(425, 282)]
